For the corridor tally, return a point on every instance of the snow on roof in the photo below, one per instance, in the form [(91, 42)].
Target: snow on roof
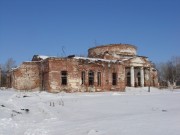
[(29, 61), (125, 59), (12, 69), (96, 59), (42, 57)]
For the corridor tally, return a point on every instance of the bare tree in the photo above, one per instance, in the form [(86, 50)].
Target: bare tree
[(176, 69), (169, 71), (10, 63)]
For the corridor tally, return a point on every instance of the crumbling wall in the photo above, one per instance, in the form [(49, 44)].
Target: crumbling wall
[(74, 68), (26, 77), (56, 65), (44, 75), (147, 77), (154, 78), (150, 77)]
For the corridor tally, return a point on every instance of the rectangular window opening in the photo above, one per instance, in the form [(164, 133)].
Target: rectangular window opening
[(114, 78), (83, 77), (99, 78), (63, 77)]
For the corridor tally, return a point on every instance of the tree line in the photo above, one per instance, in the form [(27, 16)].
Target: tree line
[(5, 68), (169, 72)]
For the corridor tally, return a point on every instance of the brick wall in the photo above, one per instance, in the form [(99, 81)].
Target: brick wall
[(74, 69), (26, 77)]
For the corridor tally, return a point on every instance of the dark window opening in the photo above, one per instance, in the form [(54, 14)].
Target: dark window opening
[(91, 78), (63, 77), (178, 83), (139, 79), (114, 78), (99, 78), (83, 77), (128, 83)]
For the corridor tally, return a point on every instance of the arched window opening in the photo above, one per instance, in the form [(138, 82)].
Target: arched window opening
[(138, 79), (128, 83), (91, 78)]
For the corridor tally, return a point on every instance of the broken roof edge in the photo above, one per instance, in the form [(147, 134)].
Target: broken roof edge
[(15, 68), (42, 57), (30, 62), (142, 56), (96, 59), (115, 44), (136, 56), (82, 58), (24, 62)]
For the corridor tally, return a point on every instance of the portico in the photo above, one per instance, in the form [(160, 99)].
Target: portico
[(137, 72), (136, 76)]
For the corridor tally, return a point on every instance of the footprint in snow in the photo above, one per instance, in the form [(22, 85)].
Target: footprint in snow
[(93, 132)]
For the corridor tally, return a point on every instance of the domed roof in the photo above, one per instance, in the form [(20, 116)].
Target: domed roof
[(114, 50)]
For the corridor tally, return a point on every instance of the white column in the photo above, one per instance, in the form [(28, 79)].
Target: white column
[(142, 77), (132, 76)]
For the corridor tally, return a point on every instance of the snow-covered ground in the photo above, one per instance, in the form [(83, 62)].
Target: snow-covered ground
[(134, 112)]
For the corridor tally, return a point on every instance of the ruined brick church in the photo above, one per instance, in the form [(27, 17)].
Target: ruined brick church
[(107, 68)]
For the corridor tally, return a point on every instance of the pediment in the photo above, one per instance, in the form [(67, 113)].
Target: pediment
[(138, 61)]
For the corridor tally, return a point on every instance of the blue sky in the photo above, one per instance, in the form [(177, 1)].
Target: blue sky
[(29, 27)]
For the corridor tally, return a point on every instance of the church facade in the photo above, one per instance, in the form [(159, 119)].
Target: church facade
[(110, 67)]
